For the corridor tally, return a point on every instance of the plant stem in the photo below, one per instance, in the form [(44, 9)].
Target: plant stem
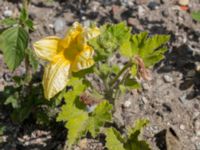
[(27, 63), (129, 64), (26, 4)]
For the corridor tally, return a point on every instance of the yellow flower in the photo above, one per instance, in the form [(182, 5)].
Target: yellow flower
[(66, 55)]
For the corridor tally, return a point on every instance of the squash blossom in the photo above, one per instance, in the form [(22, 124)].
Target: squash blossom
[(65, 55)]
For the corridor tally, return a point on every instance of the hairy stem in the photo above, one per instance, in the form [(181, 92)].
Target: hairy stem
[(129, 64), (27, 63)]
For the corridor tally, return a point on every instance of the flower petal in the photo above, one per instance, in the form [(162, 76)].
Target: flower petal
[(47, 48), (55, 77), (84, 59)]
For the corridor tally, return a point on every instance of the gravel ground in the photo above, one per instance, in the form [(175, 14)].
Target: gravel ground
[(171, 101)]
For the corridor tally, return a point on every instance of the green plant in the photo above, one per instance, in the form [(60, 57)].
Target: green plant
[(130, 141), (141, 52), (196, 15), (86, 106), (24, 97)]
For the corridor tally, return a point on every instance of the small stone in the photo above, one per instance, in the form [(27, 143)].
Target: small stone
[(59, 24), (83, 143), (127, 104), (167, 78), (197, 144), (86, 23), (145, 100), (117, 11), (51, 26), (165, 13), (146, 86), (94, 5), (182, 127), (141, 11), (153, 5), (197, 127), (69, 17), (7, 13), (183, 98)]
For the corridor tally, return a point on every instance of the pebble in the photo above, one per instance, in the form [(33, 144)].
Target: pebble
[(145, 100), (141, 11), (146, 86), (86, 23), (165, 13), (127, 103), (182, 127), (197, 127), (167, 78), (183, 98), (59, 24), (51, 26), (153, 5), (197, 144), (7, 13)]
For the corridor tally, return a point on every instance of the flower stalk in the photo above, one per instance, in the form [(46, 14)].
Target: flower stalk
[(129, 64)]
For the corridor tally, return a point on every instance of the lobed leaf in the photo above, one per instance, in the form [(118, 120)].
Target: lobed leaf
[(99, 116), (111, 37), (79, 121), (114, 141), (133, 143)]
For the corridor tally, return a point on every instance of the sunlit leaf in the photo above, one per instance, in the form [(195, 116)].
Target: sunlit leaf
[(114, 141), (14, 41), (133, 142), (79, 121)]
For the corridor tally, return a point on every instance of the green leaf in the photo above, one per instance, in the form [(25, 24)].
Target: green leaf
[(99, 116), (22, 113), (137, 42), (134, 70), (76, 128), (29, 24), (114, 141), (32, 59), (111, 37), (13, 42), (8, 22), (115, 69), (42, 117), (79, 121), (150, 49), (78, 86), (2, 129), (153, 44), (104, 70), (131, 84), (23, 15), (126, 49), (13, 100), (196, 15), (133, 143)]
